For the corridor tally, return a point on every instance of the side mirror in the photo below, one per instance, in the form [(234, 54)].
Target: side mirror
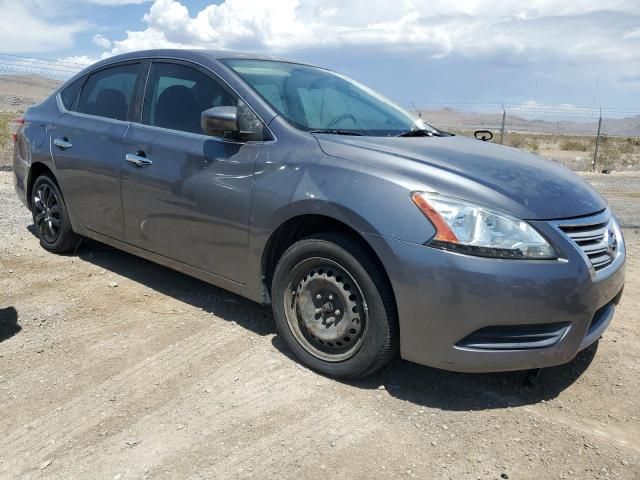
[(484, 135), (220, 121), (238, 122)]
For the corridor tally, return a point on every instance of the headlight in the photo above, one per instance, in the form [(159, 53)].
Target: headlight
[(468, 228)]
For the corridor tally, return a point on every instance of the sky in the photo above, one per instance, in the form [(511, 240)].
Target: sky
[(547, 52)]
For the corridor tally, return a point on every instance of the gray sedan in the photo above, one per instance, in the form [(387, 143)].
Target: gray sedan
[(370, 232)]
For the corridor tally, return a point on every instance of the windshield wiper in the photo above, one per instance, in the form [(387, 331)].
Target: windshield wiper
[(336, 131), (419, 133)]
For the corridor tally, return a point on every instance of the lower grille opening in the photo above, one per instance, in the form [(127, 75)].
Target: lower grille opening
[(515, 337), (600, 317)]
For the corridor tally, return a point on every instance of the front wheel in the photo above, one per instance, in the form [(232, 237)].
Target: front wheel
[(334, 307)]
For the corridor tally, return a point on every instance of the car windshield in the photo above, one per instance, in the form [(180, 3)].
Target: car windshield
[(314, 99)]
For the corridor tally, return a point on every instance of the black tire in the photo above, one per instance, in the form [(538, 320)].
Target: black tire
[(50, 217), (305, 318)]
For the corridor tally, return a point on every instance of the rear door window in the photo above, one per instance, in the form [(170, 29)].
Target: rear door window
[(108, 93), (70, 93), (177, 94)]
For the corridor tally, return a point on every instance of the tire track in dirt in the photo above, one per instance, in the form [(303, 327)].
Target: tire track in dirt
[(236, 407), (209, 402), (88, 341), (85, 411)]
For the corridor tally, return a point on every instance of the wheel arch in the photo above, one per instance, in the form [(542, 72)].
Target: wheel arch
[(305, 225), (36, 170)]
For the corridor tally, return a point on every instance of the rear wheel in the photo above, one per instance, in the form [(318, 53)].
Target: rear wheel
[(50, 217), (334, 307)]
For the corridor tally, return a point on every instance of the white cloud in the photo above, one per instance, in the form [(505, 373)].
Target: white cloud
[(114, 3), (533, 105), (76, 61), (432, 29), (635, 33), (145, 40), (23, 30), (101, 41)]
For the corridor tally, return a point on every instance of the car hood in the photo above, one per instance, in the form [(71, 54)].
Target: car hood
[(508, 179)]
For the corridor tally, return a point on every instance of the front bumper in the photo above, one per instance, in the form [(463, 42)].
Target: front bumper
[(444, 297)]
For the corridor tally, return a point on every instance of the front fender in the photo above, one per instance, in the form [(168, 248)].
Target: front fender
[(303, 180), (368, 200)]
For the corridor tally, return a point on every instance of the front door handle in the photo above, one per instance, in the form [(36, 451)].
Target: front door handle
[(62, 143), (137, 160)]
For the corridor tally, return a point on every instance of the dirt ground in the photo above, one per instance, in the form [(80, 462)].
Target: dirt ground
[(112, 367)]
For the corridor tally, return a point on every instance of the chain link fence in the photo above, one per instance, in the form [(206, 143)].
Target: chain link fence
[(580, 138), (24, 82)]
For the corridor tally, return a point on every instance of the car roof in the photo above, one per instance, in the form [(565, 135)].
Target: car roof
[(192, 54)]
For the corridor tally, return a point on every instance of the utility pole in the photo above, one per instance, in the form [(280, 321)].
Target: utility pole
[(504, 118), (416, 109), (595, 155)]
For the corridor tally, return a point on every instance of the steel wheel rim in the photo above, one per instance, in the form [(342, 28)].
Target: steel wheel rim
[(47, 213), (325, 309)]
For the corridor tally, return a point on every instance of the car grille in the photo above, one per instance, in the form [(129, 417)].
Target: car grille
[(595, 237)]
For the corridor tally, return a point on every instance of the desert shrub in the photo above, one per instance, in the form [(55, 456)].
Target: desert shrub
[(516, 140), (519, 140), (573, 145), (625, 147), (5, 128), (610, 152)]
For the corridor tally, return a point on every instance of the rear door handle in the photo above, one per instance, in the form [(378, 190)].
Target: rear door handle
[(62, 143), (137, 160)]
